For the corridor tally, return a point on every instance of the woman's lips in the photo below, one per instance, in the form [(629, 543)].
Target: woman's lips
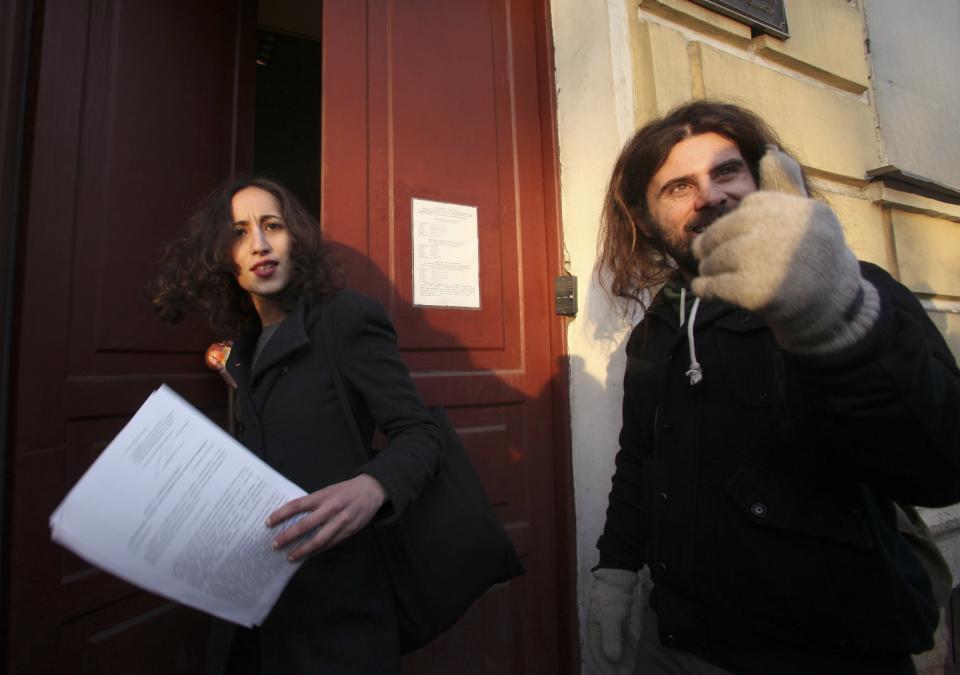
[(264, 269)]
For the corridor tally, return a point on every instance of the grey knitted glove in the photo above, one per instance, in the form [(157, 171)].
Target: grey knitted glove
[(608, 617), (782, 254)]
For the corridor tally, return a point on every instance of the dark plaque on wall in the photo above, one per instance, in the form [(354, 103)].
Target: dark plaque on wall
[(765, 16)]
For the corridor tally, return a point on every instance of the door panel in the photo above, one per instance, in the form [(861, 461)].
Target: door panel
[(442, 101), (115, 640), (135, 119)]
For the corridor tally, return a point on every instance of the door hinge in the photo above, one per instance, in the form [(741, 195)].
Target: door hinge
[(565, 295)]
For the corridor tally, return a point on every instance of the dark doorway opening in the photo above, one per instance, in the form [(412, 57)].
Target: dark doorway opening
[(288, 93)]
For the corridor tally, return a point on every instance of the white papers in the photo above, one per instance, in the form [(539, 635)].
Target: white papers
[(446, 261), (177, 506)]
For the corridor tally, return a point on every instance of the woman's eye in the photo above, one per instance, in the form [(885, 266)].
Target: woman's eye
[(238, 232), (273, 225)]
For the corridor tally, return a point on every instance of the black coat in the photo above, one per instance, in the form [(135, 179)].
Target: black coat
[(337, 613), (761, 498)]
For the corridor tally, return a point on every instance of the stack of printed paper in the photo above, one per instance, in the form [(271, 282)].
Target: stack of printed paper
[(177, 507)]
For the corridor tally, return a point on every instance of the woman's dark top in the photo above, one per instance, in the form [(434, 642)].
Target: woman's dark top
[(337, 613)]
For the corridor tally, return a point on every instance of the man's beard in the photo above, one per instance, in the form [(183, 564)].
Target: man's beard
[(677, 243)]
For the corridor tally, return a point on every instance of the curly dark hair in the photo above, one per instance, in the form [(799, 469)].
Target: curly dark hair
[(632, 260), (198, 272)]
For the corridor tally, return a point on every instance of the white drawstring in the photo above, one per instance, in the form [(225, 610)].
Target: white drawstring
[(695, 373)]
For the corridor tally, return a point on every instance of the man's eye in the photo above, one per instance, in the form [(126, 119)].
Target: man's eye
[(679, 188)]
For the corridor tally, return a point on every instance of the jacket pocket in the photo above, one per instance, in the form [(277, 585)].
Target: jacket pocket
[(777, 545), (769, 501)]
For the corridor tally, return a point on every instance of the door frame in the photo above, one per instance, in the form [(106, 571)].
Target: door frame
[(16, 23), (568, 622)]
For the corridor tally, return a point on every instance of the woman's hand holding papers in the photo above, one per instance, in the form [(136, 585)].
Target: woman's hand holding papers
[(330, 515)]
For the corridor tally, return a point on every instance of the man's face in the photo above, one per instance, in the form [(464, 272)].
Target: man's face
[(704, 177)]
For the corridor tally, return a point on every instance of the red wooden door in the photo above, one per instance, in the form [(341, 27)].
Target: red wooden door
[(451, 101), (135, 117), (142, 106)]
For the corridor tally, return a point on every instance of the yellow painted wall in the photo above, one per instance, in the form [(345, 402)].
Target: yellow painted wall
[(815, 89)]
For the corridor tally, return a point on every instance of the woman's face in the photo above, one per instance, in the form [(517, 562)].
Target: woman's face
[(261, 249)]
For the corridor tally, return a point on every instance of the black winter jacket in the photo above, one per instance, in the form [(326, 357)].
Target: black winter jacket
[(761, 498), (337, 615)]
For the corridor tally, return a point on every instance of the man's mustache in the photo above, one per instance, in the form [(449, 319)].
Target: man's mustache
[(707, 215)]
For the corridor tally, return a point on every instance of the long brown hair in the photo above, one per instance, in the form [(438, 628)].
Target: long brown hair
[(628, 260), (198, 272)]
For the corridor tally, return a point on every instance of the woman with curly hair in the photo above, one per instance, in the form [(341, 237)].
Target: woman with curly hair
[(253, 261)]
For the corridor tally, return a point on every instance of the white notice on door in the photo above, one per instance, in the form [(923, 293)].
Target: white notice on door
[(446, 261)]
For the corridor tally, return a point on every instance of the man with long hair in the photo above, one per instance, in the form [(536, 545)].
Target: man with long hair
[(781, 402)]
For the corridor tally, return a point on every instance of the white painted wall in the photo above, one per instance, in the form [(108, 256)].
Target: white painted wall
[(914, 51), (595, 117)]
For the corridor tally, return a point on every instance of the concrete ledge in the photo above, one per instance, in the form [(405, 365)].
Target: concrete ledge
[(700, 19)]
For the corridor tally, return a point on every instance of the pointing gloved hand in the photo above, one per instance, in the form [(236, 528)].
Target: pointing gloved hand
[(782, 254), (608, 621)]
